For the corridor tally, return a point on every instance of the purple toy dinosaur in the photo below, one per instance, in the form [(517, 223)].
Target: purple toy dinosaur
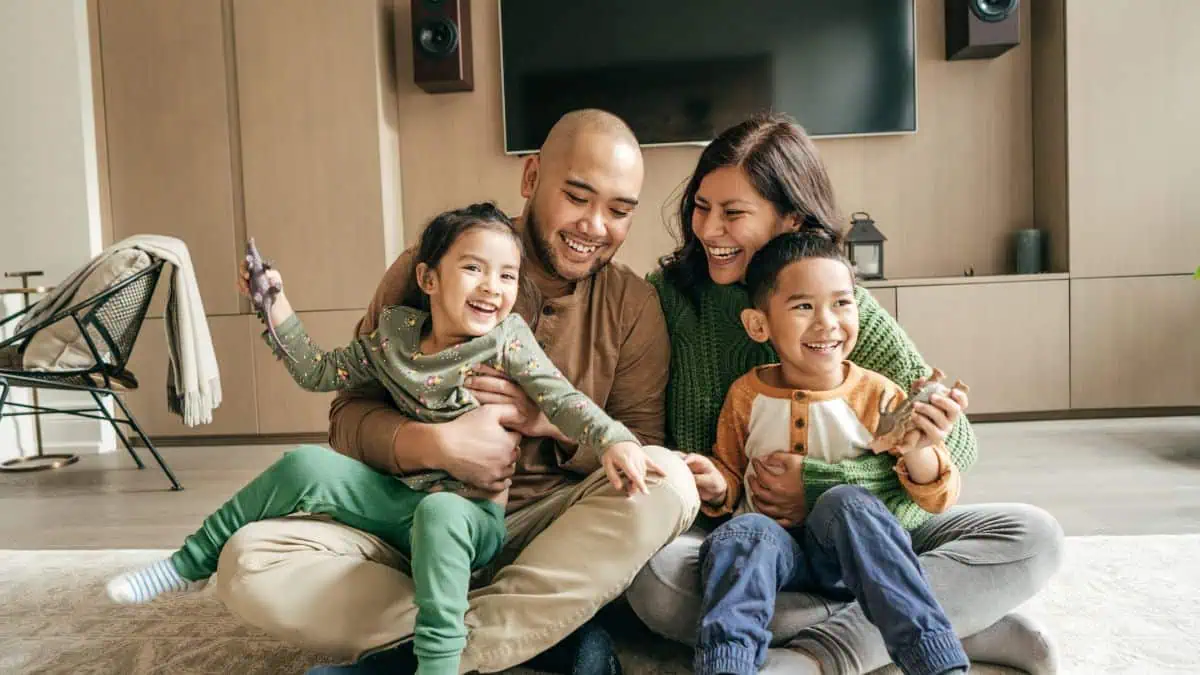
[(262, 291)]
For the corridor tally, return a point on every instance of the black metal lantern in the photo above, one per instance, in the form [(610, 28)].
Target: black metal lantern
[(864, 245)]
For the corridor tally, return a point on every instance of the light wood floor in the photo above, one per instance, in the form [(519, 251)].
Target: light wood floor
[(1119, 477)]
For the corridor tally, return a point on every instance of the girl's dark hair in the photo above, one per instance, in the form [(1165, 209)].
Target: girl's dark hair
[(784, 167), (445, 229), (762, 274)]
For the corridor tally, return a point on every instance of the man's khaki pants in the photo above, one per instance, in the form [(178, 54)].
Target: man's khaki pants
[(328, 587)]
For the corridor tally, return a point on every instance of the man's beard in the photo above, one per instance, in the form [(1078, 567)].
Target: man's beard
[(543, 249)]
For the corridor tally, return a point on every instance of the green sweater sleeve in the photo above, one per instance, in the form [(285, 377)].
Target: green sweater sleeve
[(317, 370), (567, 408)]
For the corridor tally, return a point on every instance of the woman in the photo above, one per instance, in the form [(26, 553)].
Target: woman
[(753, 182)]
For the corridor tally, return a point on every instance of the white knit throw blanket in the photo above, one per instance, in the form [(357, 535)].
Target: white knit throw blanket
[(193, 378)]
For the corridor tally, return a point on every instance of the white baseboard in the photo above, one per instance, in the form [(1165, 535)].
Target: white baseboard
[(60, 433), (17, 438)]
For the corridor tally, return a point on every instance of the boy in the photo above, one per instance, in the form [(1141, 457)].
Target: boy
[(850, 544)]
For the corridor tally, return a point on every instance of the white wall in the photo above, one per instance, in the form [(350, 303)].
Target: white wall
[(49, 192)]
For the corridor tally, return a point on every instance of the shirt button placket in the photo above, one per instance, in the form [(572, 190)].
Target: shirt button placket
[(798, 412)]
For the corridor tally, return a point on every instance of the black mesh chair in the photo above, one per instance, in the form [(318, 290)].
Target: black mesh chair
[(113, 318)]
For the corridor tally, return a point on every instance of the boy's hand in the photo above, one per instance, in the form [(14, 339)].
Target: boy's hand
[(627, 465), (710, 482), (935, 420)]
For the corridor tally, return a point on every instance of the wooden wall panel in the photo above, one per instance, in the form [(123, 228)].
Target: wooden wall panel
[(1049, 79), (1134, 154), (97, 63), (1007, 341), (283, 407), (308, 74), (168, 136), (237, 414), (1134, 342), (947, 196)]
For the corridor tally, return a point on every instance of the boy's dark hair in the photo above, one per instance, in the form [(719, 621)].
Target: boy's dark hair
[(445, 229), (812, 240)]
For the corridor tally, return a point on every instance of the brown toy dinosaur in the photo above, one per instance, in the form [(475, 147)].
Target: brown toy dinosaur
[(262, 291), (894, 425)]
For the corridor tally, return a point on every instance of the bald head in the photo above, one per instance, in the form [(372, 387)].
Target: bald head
[(589, 125), (581, 190)]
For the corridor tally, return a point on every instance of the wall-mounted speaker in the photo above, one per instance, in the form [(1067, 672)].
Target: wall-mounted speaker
[(441, 42), (981, 29)]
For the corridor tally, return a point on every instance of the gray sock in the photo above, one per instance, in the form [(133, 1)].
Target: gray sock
[(1017, 641)]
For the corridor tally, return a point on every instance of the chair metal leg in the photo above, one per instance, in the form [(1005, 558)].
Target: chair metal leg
[(117, 428), (150, 446)]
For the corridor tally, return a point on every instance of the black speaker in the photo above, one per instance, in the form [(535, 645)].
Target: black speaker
[(441, 44), (981, 29)]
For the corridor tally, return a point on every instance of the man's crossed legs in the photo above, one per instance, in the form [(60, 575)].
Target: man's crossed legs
[(331, 588)]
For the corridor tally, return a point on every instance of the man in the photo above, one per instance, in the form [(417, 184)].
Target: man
[(575, 542)]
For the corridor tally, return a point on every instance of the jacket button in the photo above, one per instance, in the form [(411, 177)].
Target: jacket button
[(799, 396), (547, 310), (800, 448), (799, 422)]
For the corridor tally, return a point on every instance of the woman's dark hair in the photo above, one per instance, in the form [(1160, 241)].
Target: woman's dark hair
[(762, 274), (784, 167), (445, 229)]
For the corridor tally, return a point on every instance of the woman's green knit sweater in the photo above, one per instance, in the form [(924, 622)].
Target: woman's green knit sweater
[(710, 349)]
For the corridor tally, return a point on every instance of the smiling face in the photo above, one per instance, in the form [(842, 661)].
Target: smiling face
[(474, 285), (732, 221), (581, 200), (811, 318)]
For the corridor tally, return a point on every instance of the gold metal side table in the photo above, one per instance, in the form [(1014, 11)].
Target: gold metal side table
[(42, 461)]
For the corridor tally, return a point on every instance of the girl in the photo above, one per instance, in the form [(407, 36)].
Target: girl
[(466, 276)]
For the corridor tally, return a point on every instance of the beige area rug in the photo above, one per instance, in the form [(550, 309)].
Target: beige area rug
[(1120, 605)]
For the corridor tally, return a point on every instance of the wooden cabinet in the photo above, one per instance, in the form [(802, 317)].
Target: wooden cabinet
[(1007, 341), (166, 113), (318, 160), (236, 415), (886, 297), (283, 407), (1135, 342), (228, 118)]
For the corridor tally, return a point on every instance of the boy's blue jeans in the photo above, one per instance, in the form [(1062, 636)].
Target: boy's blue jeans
[(850, 547)]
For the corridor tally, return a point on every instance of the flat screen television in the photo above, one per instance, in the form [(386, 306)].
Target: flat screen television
[(681, 72)]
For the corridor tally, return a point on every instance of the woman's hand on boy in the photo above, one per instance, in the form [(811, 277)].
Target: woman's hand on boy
[(778, 487), (627, 466), (491, 386), (710, 482)]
